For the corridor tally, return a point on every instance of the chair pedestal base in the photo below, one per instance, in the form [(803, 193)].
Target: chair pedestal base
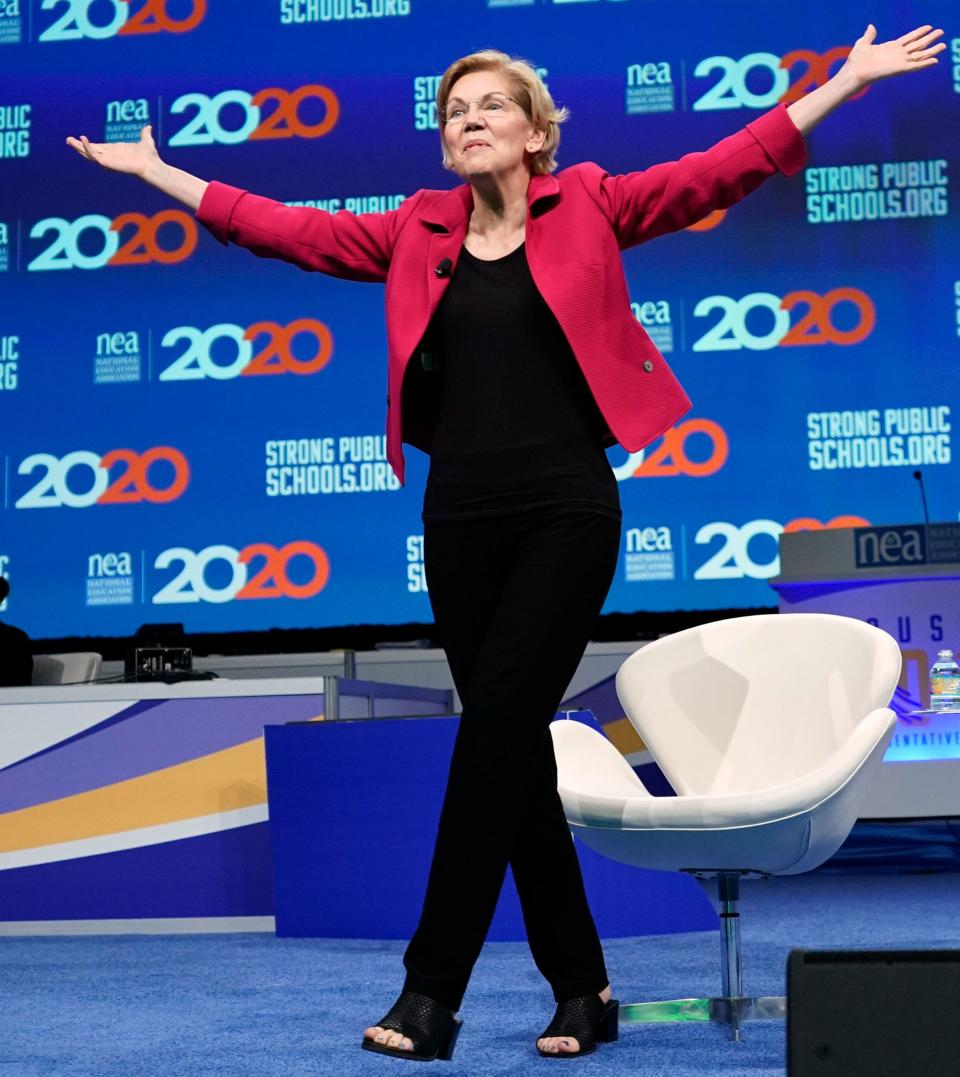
[(732, 1008), (724, 1011)]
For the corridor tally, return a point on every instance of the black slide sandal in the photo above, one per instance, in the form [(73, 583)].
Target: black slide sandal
[(429, 1025), (588, 1020)]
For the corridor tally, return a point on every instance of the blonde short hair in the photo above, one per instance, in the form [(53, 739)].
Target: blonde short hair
[(528, 89)]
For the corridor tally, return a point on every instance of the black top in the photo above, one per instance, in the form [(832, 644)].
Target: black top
[(517, 425)]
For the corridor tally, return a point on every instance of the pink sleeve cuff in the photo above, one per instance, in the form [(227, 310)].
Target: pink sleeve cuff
[(216, 208), (781, 139)]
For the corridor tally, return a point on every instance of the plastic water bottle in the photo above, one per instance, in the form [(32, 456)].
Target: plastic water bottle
[(945, 683)]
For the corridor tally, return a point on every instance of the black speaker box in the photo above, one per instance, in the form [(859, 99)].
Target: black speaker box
[(873, 1013)]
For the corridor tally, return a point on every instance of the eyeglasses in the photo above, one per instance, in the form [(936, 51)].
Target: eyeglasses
[(490, 104)]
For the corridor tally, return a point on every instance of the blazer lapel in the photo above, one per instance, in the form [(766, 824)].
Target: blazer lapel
[(447, 220), (541, 188)]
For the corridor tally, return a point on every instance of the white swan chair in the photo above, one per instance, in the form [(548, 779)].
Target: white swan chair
[(769, 728)]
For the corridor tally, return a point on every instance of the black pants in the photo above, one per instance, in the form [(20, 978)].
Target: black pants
[(515, 599)]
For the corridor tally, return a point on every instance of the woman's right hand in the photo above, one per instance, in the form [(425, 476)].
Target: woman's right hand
[(133, 158)]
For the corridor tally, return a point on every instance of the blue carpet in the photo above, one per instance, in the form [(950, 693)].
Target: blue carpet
[(255, 1005)]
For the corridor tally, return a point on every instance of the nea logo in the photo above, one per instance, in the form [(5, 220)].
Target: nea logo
[(878, 547)]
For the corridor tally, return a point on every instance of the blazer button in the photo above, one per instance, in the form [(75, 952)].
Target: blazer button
[(648, 365)]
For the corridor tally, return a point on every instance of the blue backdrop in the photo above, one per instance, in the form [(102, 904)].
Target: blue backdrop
[(190, 433)]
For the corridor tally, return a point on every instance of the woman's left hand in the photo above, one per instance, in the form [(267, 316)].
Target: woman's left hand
[(868, 62)]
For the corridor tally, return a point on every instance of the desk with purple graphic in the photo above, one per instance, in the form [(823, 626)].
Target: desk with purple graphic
[(133, 802), (905, 580)]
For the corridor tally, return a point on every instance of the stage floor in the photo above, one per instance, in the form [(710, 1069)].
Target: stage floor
[(256, 1006)]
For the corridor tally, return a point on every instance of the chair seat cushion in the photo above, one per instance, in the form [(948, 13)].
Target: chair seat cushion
[(785, 828)]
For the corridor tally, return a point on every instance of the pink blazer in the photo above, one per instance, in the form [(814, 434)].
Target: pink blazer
[(578, 221)]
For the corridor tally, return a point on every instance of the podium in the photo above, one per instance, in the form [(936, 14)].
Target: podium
[(904, 579)]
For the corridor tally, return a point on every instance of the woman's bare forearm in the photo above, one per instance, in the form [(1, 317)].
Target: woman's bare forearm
[(819, 103), (176, 183)]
